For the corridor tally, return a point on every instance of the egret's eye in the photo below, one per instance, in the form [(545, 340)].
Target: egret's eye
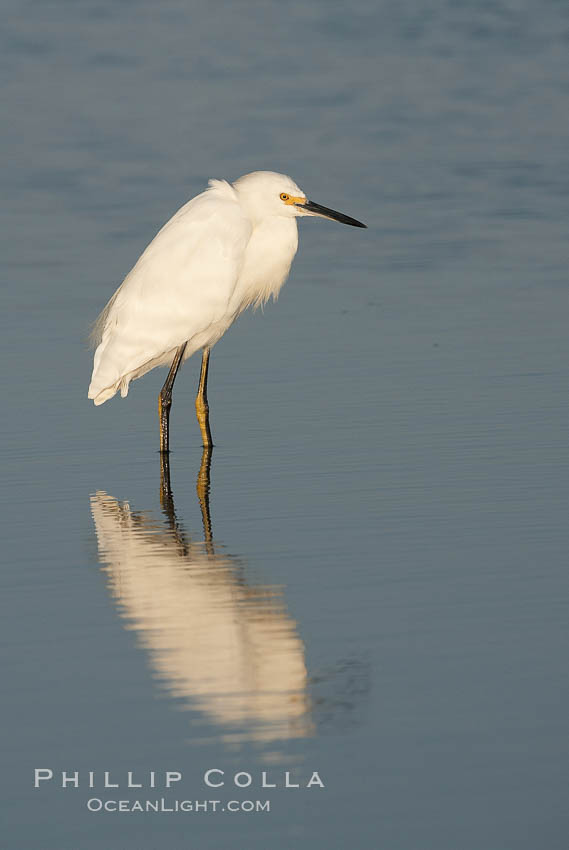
[(284, 196)]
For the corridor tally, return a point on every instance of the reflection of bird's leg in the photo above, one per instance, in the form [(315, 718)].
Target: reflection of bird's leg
[(167, 502), (166, 497), (202, 488), (165, 398), (202, 409)]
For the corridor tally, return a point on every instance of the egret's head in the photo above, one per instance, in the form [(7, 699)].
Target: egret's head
[(266, 194)]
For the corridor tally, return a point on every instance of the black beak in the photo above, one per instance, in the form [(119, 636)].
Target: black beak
[(317, 209)]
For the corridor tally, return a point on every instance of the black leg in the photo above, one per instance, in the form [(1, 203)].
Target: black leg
[(165, 398)]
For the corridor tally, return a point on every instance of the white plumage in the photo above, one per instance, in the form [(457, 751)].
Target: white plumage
[(218, 254), (227, 248)]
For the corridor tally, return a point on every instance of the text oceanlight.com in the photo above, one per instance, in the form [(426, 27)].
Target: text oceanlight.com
[(95, 804)]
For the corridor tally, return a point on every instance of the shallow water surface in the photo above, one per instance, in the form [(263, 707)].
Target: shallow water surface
[(367, 579), (224, 647)]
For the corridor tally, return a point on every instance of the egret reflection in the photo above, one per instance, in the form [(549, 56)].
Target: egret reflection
[(227, 649)]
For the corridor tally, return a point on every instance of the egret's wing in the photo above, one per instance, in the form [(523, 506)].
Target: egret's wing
[(178, 291)]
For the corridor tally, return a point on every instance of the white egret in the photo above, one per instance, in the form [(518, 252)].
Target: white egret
[(227, 248)]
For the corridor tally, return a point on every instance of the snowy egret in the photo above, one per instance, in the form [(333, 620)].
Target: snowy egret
[(228, 248)]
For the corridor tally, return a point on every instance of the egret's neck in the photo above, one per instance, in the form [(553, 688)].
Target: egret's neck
[(268, 256)]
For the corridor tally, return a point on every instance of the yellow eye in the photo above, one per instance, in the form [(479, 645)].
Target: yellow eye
[(284, 196)]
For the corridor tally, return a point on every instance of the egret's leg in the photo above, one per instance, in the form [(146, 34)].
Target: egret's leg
[(202, 409), (165, 398)]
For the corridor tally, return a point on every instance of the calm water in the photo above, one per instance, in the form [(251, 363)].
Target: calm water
[(375, 586)]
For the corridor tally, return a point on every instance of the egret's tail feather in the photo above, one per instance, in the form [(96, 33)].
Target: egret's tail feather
[(101, 396)]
